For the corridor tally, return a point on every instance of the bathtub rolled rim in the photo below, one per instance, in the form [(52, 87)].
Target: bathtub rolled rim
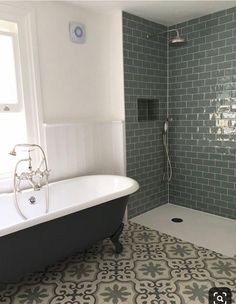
[(24, 224)]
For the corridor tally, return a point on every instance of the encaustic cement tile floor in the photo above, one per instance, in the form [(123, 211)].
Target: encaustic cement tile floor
[(153, 268)]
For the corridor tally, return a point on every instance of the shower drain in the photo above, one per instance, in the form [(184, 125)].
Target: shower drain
[(177, 220)]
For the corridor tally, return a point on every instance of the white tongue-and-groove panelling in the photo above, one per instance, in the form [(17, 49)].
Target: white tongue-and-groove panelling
[(84, 148)]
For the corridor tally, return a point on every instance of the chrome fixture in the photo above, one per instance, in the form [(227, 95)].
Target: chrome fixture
[(167, 172), (172, 40), (36, 178), (176, 39)]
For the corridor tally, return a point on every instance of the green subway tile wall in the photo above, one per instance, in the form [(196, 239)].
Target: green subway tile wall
[(202, 103), (202, 137), (145, 71)]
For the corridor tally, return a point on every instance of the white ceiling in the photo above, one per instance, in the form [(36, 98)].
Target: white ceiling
[(164, 12)]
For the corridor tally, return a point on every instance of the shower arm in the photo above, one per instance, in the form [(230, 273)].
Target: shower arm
[(168, 31)]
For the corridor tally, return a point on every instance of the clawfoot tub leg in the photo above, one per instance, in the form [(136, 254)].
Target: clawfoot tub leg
[(115, 239)]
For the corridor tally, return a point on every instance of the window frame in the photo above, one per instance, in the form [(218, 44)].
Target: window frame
[(30, 76), (5, 107)]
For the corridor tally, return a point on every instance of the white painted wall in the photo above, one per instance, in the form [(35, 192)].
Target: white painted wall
[(79, 81)]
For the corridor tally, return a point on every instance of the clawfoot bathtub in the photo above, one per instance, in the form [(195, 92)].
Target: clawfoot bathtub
[(82, 211)]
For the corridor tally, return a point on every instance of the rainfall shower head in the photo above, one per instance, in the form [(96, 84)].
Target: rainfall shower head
[(177, 39)]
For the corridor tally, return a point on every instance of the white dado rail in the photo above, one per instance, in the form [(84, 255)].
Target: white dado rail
[(83, 148)]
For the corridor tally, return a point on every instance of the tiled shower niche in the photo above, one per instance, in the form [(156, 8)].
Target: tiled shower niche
[(148, 109)]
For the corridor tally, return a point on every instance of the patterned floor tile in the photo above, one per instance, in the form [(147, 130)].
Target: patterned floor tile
[(116, 270), (80, 272), (194, 291), (190, 269), (220, 268), (116, 292), (144, 237), (34, 293), (181, 250), (153, 268), (160, 291), (148, 251), (76, 293), (226, 282), (109, 254)]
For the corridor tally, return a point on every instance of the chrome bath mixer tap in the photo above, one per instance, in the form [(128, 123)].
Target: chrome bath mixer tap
[(34, 177)]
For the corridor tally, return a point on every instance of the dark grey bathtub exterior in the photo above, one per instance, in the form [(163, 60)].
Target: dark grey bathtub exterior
[(32, 249)]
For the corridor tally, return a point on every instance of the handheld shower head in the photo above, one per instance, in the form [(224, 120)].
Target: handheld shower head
[(26, 146), (13, 152), (165, 126)]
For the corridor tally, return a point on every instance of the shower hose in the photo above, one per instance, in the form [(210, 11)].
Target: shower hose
[(167, 174)]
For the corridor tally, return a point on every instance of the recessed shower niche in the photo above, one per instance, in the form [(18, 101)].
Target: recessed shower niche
[(148, 109)]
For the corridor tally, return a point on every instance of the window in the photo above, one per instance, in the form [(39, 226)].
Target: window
[(12, 112), (20, 111), (10, 87)]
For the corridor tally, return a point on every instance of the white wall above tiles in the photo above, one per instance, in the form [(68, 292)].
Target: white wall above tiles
[(85, 148), (78, 81)]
